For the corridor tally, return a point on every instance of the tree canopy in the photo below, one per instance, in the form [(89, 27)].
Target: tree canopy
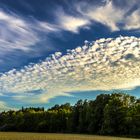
[(108, 114)]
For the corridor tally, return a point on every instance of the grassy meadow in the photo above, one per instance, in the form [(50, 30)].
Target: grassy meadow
[(47, 136)]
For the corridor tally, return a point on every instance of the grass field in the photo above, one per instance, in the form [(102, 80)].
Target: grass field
[(43, 136)]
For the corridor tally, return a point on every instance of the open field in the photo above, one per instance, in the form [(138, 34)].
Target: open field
[(43, 136)]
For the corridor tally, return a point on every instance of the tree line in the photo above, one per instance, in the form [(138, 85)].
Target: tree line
[(108, 114)]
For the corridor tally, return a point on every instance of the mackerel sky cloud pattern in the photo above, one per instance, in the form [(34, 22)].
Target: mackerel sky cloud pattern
[(99, 65)]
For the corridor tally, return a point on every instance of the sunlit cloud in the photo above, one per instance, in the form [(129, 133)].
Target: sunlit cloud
[(107, 15), (111, 16), (133, 21), (105, 64), (71, 23)]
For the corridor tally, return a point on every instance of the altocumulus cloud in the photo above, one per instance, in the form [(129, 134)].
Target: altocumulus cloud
[(106, 64)]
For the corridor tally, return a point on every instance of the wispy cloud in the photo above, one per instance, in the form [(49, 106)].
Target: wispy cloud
[(44, 26), (71, 23), (5, 107), (114, 17), (133, 21), (104, 65), (16, 33), (20, 35), (107, 14)]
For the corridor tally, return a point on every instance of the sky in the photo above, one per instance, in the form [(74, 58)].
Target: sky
[(58, 51)]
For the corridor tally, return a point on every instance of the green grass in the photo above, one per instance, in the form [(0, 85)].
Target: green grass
[(43, 136)]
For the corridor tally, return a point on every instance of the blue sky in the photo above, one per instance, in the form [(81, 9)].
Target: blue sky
[(32, 30)]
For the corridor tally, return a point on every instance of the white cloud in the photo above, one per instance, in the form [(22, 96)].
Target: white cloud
[(5, 107), (44, 26), (23, 33), (71, 23), (111, 16), (133, 21), (41, 98), (16, 33), (107, 15), (105, 65), (20, 35)]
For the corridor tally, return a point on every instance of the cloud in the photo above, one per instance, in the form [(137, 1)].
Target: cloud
[(23, 36), (107, 14), (111, 15), (5, 107), (43, 26), (16, 33), (20, 33), (71, 23), (133, 21), (105, 64), (24, 33)]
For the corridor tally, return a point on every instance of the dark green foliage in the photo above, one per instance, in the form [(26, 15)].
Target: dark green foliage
[(108, 114)]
